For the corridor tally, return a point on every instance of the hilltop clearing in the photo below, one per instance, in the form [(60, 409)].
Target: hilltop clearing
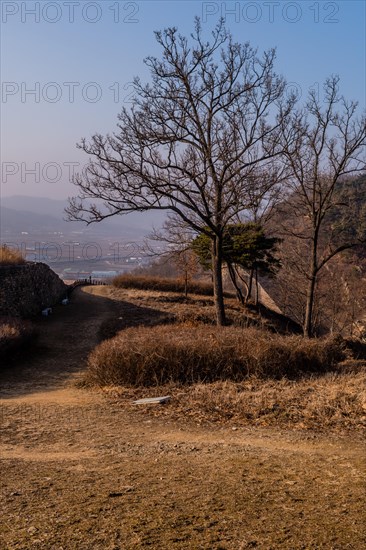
[(85, 469)]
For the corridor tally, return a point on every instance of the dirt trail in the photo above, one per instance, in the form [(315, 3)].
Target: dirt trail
[(79, 471), (65, 339)]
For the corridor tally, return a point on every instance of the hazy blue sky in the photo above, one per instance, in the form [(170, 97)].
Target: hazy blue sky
[(79, 58)]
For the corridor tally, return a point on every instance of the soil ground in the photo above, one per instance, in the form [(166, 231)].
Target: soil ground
[(80, 471)]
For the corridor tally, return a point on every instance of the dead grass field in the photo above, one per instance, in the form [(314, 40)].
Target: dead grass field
[(87, 469)]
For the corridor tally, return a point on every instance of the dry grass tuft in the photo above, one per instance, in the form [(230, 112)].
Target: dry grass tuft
[(15, 336), (332, 402), (10, 257), (189, 354), (163, 284)]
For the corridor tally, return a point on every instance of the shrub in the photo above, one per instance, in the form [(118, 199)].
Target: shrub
[(15, 336), (185, 354), (357, 348), (163, 284), (10, 257)]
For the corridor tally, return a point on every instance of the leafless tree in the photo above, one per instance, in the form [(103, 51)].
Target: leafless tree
[(212, 111), (326, 142)]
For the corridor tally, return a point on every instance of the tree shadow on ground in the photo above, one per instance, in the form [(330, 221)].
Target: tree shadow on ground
[(129, 315), (65, 339)]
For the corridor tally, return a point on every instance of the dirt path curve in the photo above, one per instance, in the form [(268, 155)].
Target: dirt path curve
[(80, 471), (65, 339)]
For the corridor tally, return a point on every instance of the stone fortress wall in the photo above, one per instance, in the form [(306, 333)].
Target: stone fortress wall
[(27, 289)]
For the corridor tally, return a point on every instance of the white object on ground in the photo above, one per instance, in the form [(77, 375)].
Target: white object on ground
[(148, 400)]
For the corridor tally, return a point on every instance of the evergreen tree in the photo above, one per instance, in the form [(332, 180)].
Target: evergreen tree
[(245, 246)]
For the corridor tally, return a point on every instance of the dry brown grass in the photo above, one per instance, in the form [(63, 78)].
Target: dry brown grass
[(15, 336), (195, 309), (164, 284), (10, 257), (329, 402), (270, 379), (189, 354)]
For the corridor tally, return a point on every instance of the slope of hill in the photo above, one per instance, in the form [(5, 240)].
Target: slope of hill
[(340, 298), (348, 217)]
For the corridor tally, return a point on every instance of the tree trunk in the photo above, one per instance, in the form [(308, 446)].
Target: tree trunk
[(217, 281), (244, 282), (250, 284), (256, 288), (310, 296), (308, 323), (239, 293)]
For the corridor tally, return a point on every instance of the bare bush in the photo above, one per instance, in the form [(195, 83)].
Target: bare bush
[(185, 354), (10, 257)]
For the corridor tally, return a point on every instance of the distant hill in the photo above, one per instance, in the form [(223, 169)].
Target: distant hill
[(23, 213), (35, 205), (23, 220), (17, 221)]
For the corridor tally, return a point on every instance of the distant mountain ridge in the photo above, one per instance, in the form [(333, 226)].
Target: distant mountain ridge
[(23, 213), (23, 220)]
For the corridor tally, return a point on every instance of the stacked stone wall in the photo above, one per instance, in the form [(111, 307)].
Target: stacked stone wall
[(27, 289)]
